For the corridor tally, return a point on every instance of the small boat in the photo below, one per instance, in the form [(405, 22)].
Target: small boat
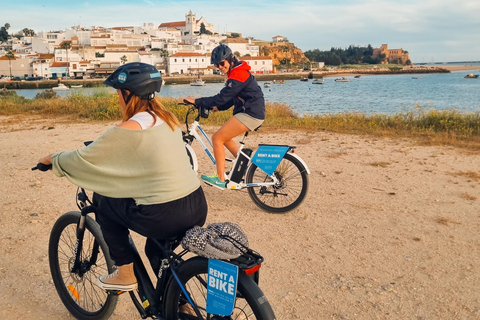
[(318, 81), (342, 79), (61, 87), (199, 82), (267, 85), (76, 86), (472, 76), (416, 77), (357, 76), (304, 79), (279, 81)]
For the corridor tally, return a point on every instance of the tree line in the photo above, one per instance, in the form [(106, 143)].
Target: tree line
[(4, 32), (350, 55)]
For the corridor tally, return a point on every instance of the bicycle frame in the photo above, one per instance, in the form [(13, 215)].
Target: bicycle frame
[(149, 295), (204, 140)]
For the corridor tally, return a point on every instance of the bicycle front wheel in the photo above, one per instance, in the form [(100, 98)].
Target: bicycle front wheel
[(78, 290), (284, 196), (250, 302)]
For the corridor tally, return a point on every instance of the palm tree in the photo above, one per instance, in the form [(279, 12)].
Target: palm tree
[(123, 59), (10, 56), (66, 46)]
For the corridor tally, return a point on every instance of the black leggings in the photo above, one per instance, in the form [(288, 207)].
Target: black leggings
[(160, 221)]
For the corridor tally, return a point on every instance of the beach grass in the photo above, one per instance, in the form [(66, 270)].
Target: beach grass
[(423, 124)]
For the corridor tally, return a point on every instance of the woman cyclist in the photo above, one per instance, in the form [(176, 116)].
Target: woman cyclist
[(139, 171), (243, 93)]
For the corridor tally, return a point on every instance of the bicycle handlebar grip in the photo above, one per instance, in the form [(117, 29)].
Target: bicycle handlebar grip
[(42, 167)]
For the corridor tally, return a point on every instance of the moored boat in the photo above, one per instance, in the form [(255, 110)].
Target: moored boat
[(267, 85), (61, 87), (199, 82), (318, 81), (342, 79)]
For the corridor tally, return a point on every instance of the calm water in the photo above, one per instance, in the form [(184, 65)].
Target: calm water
[(370, 94)]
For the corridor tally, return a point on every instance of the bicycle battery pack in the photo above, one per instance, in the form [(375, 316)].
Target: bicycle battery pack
[(241, 165)]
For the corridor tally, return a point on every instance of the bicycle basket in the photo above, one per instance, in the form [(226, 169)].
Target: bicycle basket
[(222, 241)]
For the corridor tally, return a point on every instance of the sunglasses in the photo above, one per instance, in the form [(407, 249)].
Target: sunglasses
[(220, 64)]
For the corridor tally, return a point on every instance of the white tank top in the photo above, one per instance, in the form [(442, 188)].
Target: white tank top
[(145, 120)]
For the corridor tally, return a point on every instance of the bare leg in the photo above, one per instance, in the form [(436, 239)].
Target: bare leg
[(223, 137)]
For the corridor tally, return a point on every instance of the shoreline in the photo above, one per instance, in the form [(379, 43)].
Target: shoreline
[(183, 79)]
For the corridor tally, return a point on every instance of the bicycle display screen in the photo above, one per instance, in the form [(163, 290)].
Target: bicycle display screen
[(268, 157)]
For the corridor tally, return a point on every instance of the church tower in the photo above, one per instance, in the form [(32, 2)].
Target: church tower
[(190, 23)]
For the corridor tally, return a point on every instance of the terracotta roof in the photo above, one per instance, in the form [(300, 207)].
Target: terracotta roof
[(5, 58), (173, 24), (256, 58), (59, 65), (235, 40), (187, 54), (46, 56)]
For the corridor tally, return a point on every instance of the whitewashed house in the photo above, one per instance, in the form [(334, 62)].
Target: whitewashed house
[(188, 63), (262, 64)]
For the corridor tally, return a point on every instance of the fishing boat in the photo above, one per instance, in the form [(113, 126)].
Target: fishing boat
[(199, 82), (342, 79), (61, 87), (318, 81)]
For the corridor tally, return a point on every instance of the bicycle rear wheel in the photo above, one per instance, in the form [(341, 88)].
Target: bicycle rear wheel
[(287, 194), (78, 291), (250, 302)]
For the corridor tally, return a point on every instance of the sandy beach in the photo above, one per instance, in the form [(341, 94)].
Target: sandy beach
[(389, 229)]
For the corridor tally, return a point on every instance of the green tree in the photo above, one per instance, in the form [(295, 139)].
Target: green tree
[(28, 32), (123, 59), (4, 32), (66, 46), (10, 56), (203, 29), (99, 55), (164, 54)]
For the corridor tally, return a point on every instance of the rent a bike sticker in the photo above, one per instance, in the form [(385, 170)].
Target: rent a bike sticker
[(222, 287), (268, 157)]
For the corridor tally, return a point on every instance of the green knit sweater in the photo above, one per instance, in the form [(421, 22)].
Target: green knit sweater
[(150, 166)]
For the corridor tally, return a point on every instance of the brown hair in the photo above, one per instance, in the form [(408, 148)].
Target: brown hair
[(153, 107)]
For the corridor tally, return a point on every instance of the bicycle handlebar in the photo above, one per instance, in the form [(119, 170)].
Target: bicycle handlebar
[(42, 167)]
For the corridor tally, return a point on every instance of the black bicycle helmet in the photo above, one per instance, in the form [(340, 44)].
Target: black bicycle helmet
[(221, 52), (139, 78)]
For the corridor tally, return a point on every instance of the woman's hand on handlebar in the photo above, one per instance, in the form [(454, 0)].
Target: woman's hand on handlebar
[(44, 163)]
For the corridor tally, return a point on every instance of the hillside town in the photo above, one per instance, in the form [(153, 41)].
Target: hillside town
[(179, 47), (174, 48)]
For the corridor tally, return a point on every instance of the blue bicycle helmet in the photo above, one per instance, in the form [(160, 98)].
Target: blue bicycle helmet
[(139, 78), (221, 52)]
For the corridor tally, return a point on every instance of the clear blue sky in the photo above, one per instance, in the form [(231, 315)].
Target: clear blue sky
[(431, 30)]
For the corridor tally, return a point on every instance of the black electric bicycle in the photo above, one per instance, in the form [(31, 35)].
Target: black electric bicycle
[(78, 255)]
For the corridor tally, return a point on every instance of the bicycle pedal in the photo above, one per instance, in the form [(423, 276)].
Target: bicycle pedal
[(233, 186)]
